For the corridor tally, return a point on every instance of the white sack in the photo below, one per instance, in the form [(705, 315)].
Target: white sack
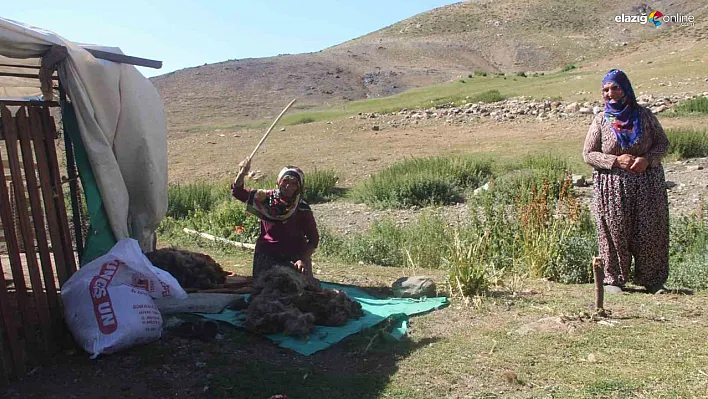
[(108, 303)]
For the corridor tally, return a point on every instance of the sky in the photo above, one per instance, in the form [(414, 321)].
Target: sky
[(187, 33)]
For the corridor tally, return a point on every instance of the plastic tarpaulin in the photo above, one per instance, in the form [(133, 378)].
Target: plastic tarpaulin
[(375, 311), (122, 126)]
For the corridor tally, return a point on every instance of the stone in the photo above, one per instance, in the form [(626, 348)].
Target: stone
[(414, 287), (597, 110), (579, 181), (572, 107), (585, 110)]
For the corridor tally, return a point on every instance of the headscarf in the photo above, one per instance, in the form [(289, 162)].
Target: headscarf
[(271, 206), (623, 115)]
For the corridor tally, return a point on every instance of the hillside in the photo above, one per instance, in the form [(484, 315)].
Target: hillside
[(429, 48)]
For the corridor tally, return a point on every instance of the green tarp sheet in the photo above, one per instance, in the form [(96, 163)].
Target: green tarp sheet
[(375, 311)]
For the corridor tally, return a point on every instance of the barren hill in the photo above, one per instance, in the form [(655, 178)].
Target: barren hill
[(429, 48)]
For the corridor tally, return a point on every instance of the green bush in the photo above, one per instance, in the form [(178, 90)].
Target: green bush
[(698, 105), (573, 265), (183, 199), (480, 73), (422, 182), (688, 143), (568, 67), (229, 220), (381, 245), (688, 250), (320, 186), (489, 96), (469, 273), (523, 177), (521, 74), (303, 120)]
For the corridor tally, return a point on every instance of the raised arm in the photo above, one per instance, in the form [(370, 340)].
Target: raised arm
[(592, 150), (237, 190)]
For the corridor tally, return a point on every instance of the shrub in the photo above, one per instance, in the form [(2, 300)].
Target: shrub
[(568, 67), (480, 73), (489, 96), (468, 269), (183, 199), (688, 250), (698, 105), (521, 74), (303, 120), (527, 175), (381, 245), (320, 186), (422, 182), (688, 143), (228, 220)]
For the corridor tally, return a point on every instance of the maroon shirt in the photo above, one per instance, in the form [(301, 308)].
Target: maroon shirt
[(288, 239)]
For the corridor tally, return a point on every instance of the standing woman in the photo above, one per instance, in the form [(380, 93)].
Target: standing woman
[(624, 145), (288, 232)]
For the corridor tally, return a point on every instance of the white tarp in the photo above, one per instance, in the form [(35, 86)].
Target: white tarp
[(122, 125)]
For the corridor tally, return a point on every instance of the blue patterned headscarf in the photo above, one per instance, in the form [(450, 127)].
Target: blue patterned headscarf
[(623, 115)]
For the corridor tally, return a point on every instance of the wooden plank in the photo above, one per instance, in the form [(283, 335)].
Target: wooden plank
[(49, 127), (27, 233), (31, 102), (48, 194), (12, 249), (125, 59), (21, 66), (10, 326), (23, 128), (24, 75)]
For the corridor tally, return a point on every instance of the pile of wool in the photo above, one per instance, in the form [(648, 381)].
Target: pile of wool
[(286, 301), (192, 270)]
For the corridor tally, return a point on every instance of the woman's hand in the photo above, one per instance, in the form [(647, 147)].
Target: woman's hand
[(245, 165), (639, 165), (243, 168), (304, 266), (624, 161)]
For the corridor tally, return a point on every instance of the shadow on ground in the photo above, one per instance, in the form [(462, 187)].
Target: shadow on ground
[(236, 364)]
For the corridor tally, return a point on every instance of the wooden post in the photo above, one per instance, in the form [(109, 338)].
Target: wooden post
[(599, 274)]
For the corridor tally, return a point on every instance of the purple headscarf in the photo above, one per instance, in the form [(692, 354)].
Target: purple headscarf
[(623, 115)]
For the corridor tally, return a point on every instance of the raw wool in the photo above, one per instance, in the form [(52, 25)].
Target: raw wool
[(286, 301), (191, 269)]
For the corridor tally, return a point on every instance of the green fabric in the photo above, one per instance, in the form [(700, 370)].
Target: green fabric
[(99, 237), (375, 311)]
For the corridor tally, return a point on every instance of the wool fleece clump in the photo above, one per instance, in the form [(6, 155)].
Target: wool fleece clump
[(191, 269), (285, 301)]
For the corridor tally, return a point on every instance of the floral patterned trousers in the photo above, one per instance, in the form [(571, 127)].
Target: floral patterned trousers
[(632, 215)]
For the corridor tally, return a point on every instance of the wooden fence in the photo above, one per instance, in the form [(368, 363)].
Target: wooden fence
[(36, 252)]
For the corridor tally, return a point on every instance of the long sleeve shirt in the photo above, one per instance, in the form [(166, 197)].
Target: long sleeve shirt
[(288, 239), (602, 148)]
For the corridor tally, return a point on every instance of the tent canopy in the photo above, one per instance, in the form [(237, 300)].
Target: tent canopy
[(121, 121)]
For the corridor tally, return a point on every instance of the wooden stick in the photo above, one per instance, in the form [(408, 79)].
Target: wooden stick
[(599, 274), (271, 128), (219, 239)]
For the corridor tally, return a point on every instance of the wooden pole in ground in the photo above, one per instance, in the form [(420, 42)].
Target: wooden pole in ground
[(599, 274)]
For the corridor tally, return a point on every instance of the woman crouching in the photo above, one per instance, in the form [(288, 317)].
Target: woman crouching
[(288, 233)]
